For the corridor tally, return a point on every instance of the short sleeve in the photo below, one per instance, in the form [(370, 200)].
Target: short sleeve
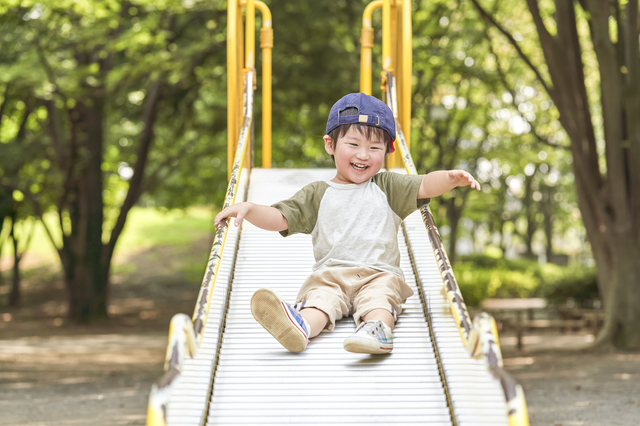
[(401, 191), (301, 210)]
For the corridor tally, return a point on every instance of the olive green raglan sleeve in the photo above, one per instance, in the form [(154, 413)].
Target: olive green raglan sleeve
[(301, 210), (402, 192)]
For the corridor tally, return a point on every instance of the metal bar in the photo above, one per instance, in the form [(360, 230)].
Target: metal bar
[(478, 338), (250, 61), (386, 36), (250, 38), (366, 42), (406, 70), (204, 298), (232, 82), (427, 307), (266, 43), (184, 333)]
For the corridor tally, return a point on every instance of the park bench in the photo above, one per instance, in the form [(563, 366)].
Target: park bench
[(529, 314)]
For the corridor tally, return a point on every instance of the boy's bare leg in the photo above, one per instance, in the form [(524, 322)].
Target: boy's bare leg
[(316, 319), (380, 315)]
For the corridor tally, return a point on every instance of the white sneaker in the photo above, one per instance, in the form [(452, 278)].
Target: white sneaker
[(371, 337)]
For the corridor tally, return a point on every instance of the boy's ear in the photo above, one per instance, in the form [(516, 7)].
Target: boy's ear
[(328, 144)]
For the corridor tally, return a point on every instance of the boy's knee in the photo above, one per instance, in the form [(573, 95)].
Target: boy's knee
[(329, 308), (377, 310)]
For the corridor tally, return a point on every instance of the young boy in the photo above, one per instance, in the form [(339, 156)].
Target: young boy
[(353, 220)]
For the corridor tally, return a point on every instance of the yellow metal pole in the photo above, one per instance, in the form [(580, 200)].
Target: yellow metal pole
[(250, 39), (250, 61), (366, 42), (232, 83), (386, 36), (393, 33), (387, 64), (239, 68), (266, 43), (397, 66), (406, 72), (394, 158)]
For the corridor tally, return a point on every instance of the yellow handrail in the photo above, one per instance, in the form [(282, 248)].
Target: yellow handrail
[(185, 336)]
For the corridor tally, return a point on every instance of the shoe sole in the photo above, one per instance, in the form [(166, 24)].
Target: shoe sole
[(366, 346), (268, 310)]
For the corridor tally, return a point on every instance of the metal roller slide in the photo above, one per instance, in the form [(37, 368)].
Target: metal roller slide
[(256, 381)]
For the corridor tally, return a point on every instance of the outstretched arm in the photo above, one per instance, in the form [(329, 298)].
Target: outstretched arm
[(437, 183), (264, 217)]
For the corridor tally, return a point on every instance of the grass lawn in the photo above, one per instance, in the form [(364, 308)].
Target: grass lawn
[(145, 228)]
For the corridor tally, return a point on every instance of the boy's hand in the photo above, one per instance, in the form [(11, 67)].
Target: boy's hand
[(239, 211), (462, 178)]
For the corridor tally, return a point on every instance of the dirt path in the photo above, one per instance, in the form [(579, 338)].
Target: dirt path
[(56, 374), (568, 387), (53, 373), (78, 380)]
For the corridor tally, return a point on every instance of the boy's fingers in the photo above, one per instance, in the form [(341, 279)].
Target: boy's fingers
[(239, 218)]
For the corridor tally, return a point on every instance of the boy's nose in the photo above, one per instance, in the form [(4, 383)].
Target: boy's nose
[(362, 154)]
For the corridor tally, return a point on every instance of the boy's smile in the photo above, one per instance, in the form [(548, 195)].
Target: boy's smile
[(357, 158)]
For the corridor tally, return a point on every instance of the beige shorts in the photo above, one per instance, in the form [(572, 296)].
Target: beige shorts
[(340, 292)]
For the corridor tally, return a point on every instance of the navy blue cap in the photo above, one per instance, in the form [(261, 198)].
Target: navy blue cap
[(371, 111)]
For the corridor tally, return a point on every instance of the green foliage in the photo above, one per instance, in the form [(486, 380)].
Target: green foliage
[(70, 55), (481, 277), (496, 278), (579, 284), (315, 62), (496, 123), (478, 107)]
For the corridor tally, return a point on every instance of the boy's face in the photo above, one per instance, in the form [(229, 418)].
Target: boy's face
[(357, 158)]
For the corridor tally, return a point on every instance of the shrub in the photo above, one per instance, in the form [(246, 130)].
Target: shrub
[(481, 277), (579, 284)]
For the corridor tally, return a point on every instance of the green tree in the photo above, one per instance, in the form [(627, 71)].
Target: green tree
[(118, 93), (591, 71), (467, 114)]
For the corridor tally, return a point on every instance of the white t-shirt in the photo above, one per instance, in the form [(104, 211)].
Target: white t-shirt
[(354, 224)]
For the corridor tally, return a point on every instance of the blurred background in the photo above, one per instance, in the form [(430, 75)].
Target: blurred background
[(113, 160)]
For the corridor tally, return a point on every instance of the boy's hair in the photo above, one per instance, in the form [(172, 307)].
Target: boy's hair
[(369, 132)]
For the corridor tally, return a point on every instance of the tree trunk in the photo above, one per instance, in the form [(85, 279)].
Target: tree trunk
[(622, 318), (88, 298), (530, 212), (15, 296), (609, 201), (503, 238), (82, 251), (547, 211)]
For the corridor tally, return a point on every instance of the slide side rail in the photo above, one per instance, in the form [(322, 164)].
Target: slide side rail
[(185, 335), (479, 337)]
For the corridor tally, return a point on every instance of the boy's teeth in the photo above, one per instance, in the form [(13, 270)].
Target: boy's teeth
[(358, 166)]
